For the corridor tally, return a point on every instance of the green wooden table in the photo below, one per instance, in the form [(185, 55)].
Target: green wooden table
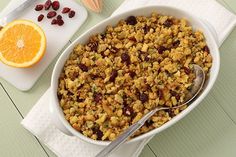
[(208, 131)]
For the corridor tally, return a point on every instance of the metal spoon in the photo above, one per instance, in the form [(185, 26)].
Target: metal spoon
[(195, 90)]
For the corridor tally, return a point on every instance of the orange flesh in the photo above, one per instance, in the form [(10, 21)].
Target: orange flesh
[(19, 47)]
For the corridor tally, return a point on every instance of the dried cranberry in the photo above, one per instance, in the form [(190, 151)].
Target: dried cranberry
[(55, 5), (79, 100), (206, 49), (128, 111), (177, 97), (65, 10), (132, 74), (161, 49), (47, 4), (125, 57), (51, 14), (54, 22), (146, 29), (103, 36), (71, 14), (60, 22), (113, 76), (160, 94), (80, 86), (98, 132), (114, 49), (177, 87), (149, 122), (125, 102), (147, 58), (173, 93), (131, 20), (171, 113), (93, 46), (83, 67), (176, 43), (143, 97), (39, 7), (97, 97), (133, 39), (59, 17), (168, 23), (40, 17), (148, 87), (187, 70), (103, 54)]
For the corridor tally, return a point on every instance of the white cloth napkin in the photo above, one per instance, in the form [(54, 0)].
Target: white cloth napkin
[(38, 120)]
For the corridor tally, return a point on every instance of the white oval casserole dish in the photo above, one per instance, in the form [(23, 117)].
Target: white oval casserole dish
[(57, 113)]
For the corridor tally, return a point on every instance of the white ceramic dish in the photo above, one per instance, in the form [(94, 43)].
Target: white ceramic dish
[(57, 113)]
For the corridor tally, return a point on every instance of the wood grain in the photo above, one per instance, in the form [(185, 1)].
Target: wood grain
[(147, 152), (207, 131), (3, 4), (15, 140), (224, 90), (231, 4)]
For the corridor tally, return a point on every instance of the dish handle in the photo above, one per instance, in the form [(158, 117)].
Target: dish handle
[(56, 121), (212, 30)]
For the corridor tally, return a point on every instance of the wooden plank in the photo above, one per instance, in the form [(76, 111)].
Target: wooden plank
[(224, 90), (3, 3), (15, 140), (147, 152), (222, 2), (231, 4), (207, 131)]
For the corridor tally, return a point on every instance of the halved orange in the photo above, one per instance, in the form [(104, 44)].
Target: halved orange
[(22, 43)]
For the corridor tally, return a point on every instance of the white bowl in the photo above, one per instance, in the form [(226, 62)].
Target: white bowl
[(55, 108)]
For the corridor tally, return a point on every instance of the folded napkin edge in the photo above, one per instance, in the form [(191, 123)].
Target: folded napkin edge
[(38, 138), (225, 34), (136, 152)]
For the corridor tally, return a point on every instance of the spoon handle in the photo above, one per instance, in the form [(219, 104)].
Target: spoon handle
[(123, 137)]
